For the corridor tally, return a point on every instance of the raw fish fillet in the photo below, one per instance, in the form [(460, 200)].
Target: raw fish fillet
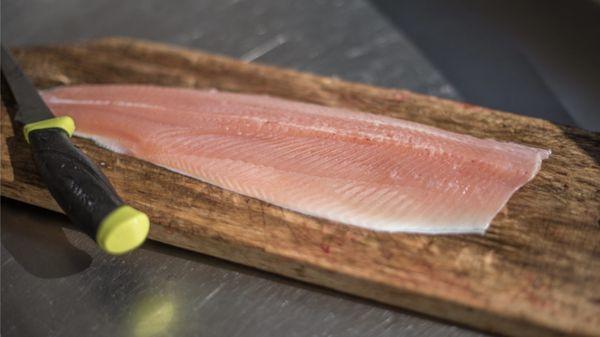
[(357, 168)]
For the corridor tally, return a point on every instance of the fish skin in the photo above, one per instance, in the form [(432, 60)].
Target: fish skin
[(352, 167)]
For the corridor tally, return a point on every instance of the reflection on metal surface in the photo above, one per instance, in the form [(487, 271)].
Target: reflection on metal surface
[(152, 316)]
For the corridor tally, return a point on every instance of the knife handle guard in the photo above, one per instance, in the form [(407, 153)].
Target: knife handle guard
[(65, 123), (85, 194)]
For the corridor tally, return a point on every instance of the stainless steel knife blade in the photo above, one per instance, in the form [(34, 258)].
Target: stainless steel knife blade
[(30, 105)]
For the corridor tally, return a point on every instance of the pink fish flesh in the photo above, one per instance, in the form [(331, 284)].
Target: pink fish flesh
[(352, 167)]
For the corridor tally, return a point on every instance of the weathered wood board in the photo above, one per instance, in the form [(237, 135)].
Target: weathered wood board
[(535, 273)]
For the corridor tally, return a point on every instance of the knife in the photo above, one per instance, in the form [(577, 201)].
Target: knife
[(74, 181)]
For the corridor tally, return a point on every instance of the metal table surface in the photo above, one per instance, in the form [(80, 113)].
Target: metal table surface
[(56, 282)]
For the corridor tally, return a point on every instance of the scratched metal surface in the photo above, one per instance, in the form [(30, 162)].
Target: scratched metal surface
[(55, 282)]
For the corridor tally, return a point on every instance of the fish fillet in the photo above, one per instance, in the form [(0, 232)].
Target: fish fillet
[(352, 167)]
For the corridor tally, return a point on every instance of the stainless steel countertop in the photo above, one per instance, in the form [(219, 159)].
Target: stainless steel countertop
[(56, 282)]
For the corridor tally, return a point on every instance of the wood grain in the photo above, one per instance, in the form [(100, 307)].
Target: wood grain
[(536, 272)]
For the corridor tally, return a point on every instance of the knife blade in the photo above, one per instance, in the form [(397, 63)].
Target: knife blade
[(79, 187), (30, 106)]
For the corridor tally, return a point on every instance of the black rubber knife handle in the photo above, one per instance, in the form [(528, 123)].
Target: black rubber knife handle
[(75, 182), (84, 193)]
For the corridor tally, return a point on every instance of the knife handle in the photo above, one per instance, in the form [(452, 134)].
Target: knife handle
[(84, 193)]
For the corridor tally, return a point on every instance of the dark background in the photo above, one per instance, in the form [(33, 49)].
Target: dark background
[(537, 58)]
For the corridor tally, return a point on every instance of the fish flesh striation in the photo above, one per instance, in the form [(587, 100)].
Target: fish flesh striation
[(352, 167)]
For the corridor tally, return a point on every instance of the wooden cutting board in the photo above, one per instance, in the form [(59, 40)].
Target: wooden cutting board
[(535, 273)]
